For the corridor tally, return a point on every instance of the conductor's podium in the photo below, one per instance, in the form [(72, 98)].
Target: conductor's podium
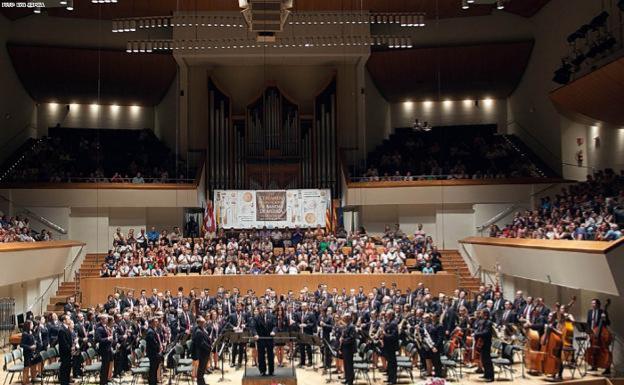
[(282, 375), (96, 290)]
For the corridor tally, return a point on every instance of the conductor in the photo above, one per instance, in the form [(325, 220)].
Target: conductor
[(201, 349), (263, 330)]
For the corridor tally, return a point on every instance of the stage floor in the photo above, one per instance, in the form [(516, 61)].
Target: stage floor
[(308, 376)]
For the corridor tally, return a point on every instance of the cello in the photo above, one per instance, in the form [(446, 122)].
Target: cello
[(598, 354)]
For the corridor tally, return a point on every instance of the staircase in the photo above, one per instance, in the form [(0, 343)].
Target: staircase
[(453, 262), (90, 268)]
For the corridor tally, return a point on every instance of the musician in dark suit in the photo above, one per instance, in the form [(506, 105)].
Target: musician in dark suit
[(391, 345), (306, 321), (326, 322), (238, 320), (597, 317), (202, 346), (29, 349), (104, 339), (507, 316), (347, 348), (263, 330), (65, 345), (153, 350), (435, 333), (484, 334), (70, 307)]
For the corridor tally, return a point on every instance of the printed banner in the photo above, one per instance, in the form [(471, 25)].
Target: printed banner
[(271, 206), (245, 209)]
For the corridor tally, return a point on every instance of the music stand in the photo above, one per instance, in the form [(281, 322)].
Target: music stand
[(580, 363), (287, 336), (223, 338)]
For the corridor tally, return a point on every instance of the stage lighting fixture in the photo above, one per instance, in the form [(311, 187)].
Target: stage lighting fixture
[(500, 4), (70, 5), (563, 75), (465, 4), (599, 21), (37, 10)]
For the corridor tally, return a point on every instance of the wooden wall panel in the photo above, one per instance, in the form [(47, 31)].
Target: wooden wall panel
[(598, 95), (73, 75), (95, 290), (470, 71)]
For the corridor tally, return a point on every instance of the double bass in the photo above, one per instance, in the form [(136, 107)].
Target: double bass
[(552, 345), (533, 356), (598, 354)]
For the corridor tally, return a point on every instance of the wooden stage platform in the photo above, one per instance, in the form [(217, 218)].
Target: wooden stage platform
[(95, 290), (284, 376)]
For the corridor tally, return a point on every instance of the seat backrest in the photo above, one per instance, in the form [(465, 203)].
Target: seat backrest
[(369, 355), (508, 350), (17, 354), (51, 352), (92, 353), (44, 356), (84, 356), (176, 359), (189, 345), (179, 349), (8, 358)]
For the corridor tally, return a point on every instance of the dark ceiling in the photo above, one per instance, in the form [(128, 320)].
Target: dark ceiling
[(454, 72), (137, 8), (70, 75)]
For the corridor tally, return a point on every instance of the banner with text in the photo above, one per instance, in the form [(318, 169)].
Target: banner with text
[(245, 209)]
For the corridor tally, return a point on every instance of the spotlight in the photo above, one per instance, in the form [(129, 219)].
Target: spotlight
[(500, 4), (37, 10), (63, 2), (465, 4), (70, 5)]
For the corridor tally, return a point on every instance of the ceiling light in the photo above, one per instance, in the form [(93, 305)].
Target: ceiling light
[(70, 5), (128, 47), (37, 10), (465, 4), (500, 4), (63, 2)]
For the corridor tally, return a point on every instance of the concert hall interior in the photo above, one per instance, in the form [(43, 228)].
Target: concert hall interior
[(289, 192)]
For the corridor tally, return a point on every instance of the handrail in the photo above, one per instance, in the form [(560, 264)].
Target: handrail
[(498, 217), (36, 216), (556, 158), (56, 279)]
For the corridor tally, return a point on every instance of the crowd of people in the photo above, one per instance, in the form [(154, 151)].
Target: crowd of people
[(589, 210), (98, 156), (17, 229), (473, 154), (377, 324), (264, 251)]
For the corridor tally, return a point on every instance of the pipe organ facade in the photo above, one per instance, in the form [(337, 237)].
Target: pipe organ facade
[(272, 146)]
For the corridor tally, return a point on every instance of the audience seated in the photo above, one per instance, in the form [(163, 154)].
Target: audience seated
[(115, 156), (590, 210), (17, 229), (471, 152), (264, 251)]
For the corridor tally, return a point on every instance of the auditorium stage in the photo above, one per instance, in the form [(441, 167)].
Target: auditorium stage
[(308, 376)]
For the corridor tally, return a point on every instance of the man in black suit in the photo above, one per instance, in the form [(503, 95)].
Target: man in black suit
[(185, 321), (391, 345), (153, 350), (306, 320), (597, 317), (238, 320), (104, 339), (507, 316), (65, 344), (347, 348), (201, 349), (129, 302), (484, 332), (70, 307), (263, 330)]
